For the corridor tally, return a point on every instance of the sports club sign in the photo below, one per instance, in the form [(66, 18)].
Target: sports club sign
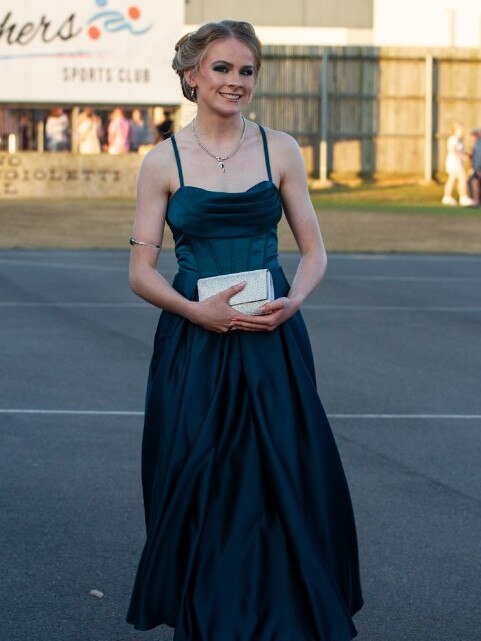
[(89, 51)]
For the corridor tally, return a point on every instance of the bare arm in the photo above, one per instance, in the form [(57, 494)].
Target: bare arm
[(302, 220), (153, 190)]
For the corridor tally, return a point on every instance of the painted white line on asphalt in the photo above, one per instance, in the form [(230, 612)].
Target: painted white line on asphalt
[(54, 265), (391, 308), (288, 254), (79, 304), (168, 256), (347, 308), (329, 278), (169, 253), (72, 412), (470, 258), (33, 263), (407, 279), (63, 252), (408, 417)]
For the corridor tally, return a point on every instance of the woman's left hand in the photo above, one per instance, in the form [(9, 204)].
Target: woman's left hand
[(270, 316)]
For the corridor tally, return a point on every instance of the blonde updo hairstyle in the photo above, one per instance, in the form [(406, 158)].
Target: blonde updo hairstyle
[(191, 48)]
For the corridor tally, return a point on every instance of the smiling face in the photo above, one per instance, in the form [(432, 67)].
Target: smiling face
[(226, 77)]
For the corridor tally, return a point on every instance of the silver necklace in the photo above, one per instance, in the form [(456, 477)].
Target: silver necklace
[(221, 159)]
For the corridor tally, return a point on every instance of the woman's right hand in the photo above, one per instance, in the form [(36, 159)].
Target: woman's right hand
[(215, 313)]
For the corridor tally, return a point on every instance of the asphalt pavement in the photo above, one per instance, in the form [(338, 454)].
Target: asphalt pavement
[(397, 346)]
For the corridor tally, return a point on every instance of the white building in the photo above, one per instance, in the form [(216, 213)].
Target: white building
[(427, 23), (408, 23)]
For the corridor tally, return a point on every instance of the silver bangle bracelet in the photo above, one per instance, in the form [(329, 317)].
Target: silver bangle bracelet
[(132, 241)]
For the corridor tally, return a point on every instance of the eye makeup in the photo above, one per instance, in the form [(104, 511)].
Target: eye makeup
[(223, 67)]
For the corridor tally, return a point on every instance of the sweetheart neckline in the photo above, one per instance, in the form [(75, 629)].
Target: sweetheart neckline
[(228, 193)]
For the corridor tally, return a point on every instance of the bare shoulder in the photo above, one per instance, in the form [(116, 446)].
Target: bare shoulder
[(284, 152), (156, 166), (279, 141)]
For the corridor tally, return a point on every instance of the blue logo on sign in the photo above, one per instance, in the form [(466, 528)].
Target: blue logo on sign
[(112, 21)]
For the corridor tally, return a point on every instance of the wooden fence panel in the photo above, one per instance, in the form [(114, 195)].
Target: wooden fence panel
[(376, 105)]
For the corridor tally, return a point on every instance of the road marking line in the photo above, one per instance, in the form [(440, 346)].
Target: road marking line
[(391, 308), (408, 417), (347, 308), (72, 412), (74, 304), (34, 263), (431, 258), (405, 279), (54, 265)]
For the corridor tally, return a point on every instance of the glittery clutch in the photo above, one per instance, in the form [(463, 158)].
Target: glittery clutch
[(259, 289)]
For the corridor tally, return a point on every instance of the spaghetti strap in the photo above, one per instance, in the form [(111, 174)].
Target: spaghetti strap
[(177, 160), (266, 152)]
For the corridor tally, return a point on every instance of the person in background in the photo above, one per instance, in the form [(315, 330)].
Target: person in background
[(474, 182), (89, 131), (25, 126), (140, 133), (165, 129), (118, 133), (57, 130), (455, 169)]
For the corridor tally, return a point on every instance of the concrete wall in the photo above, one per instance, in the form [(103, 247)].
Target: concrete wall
[(65, 175)]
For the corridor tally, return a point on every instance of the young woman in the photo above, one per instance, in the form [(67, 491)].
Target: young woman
[(89, 132), (454, 165), (250, 531)]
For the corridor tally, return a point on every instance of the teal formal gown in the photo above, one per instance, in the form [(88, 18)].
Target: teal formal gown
[(250, 530)]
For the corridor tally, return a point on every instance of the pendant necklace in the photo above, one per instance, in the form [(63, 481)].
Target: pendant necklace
[(221, 159)]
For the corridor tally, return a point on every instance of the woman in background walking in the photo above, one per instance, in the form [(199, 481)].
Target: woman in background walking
[(455, 169)]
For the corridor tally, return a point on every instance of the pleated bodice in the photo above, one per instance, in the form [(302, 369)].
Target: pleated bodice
[(220, 233)]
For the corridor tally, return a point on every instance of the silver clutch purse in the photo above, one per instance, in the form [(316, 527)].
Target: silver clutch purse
[(259, 289)]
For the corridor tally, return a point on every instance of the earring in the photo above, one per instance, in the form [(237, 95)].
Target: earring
[(192, 93)]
